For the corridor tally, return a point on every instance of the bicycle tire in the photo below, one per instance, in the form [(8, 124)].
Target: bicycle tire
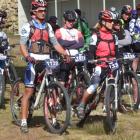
[(64, 112), (13, 73), (83, 82), (111, 111), (127, 97), (18, 89), (15, 101), (2, 89)]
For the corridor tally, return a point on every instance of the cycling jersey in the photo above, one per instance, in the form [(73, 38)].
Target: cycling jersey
[(125, 24), (134, 27), (42, 33), (82, 26), (70, 38), (3, 42), (32, 35), (104, 44)]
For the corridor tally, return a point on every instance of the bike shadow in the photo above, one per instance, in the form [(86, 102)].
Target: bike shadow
[(92, 119), (37, 121)]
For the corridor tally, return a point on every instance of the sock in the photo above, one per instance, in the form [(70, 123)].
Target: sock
[(23, 122), (54, 120)]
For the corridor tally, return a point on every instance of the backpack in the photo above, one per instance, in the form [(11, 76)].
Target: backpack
[(32, 28), (99, 39)]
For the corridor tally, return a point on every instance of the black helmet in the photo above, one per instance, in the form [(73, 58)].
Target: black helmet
[(126, 9), (69, 15)]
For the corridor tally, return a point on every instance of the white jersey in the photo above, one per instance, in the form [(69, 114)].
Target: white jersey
[(25, 31)]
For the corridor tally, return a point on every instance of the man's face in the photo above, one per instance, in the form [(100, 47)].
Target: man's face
[(69, 24), (40, 13)]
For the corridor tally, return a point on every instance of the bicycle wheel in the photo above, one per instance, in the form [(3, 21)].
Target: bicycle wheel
[(12, 73), (15, 101), (111, 111), (56, 108), (81, 85), (130, 96), (2, 89)]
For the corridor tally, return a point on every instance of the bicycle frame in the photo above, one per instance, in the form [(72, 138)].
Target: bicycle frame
[(114, 82), (45, 81), (108, 80)]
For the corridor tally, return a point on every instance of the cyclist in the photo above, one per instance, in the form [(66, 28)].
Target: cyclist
[(134, 27), (126, 16), (124, 37), (103, 46), (82, 25), (34, 37), (71, 39), (53, 22), (4, 44)]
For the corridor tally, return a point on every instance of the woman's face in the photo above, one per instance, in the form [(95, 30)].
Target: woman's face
[(126, 16), (109, 24)]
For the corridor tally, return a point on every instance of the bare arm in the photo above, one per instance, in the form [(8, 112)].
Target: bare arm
[(23, 50)]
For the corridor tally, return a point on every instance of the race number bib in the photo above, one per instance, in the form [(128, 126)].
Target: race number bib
[(114, 65), (80, 58), (52, 63), (129, 55)]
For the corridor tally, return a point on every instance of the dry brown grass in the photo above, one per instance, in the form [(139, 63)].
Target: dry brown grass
[(128, 124)]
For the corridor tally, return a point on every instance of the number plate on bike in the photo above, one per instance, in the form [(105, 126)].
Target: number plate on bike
[(114, 65), (129, 55), (52, 63), (2, 57), (80, 58)]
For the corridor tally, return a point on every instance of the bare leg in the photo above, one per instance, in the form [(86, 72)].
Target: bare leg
[(25, 102), (135, 64)]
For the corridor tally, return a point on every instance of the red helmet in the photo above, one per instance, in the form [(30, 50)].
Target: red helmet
[(126, 9), (38, 3), (105, 15)]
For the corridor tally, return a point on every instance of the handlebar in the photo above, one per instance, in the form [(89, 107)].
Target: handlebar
[(3, 57)]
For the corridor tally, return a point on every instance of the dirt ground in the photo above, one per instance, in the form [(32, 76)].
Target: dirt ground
[(127, 129)]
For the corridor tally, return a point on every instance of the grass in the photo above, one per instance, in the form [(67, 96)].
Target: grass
[(127, 128)]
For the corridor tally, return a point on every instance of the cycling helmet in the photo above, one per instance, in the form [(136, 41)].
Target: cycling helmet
[(69, 15), (126, 9), (105, 15), (115, 13), (138, 7), (38, 3)]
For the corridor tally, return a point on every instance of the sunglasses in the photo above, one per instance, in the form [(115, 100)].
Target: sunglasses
[(41, 11), (109, 21), (128, 14), (71, 21)]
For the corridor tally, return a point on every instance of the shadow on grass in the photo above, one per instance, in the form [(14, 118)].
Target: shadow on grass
[(95, 121)]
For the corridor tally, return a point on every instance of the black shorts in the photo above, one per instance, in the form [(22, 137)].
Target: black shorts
[(64, 72), (136, 47)]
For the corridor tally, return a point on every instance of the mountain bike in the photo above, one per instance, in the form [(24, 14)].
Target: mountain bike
[(49, 93), (78, 79), (7, 71), (129, 89), (107, 92)]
